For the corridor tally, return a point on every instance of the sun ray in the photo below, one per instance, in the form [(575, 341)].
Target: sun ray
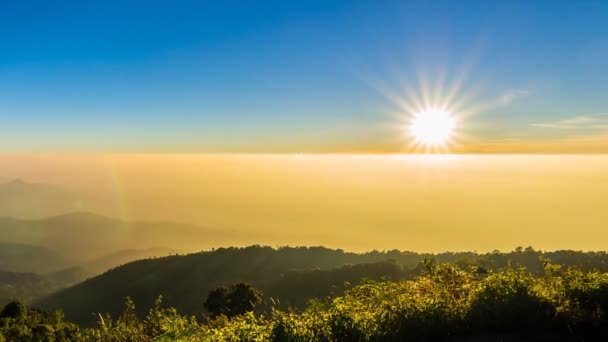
[(433, 109), (431, 117)]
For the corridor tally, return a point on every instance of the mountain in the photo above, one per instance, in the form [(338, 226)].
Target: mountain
[(185, 280), (25, 276), (27, 287), (33, 200), (289, 275), (27, 258), (35, 259), (85, 236)]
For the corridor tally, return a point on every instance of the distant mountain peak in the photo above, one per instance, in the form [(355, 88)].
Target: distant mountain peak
[(81, 216), (22, 198), (20, 183), (16, 181)]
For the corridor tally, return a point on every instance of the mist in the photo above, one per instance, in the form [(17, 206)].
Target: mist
[(355, 202)]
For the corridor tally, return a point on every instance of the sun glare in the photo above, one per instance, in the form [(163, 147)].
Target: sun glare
[(432, 114), (432, 128)]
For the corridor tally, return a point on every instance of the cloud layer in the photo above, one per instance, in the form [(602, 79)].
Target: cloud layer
[(581, 122)]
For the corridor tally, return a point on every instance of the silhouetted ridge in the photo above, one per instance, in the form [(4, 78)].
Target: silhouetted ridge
[(82, 217)]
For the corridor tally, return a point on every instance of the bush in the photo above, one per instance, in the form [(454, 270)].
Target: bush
[(507, 302), (584, 303), (444, 303)]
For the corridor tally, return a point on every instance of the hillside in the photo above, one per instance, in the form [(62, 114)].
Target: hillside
[(109, 261), (291, 275), (19, 257), (85, 236), (29, 272), (27, 287), (185, 280), (35, 259), (36, 282)]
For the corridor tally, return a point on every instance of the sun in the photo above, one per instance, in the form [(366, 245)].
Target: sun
[(432, 127), (433, 114)]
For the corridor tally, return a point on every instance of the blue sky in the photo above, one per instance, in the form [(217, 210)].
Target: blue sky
[(245, 76)]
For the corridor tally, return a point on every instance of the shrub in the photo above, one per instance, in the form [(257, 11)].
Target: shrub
[(507, 302), (444, 303)]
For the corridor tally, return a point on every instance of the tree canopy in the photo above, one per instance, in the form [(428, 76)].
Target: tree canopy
[(233, 301)]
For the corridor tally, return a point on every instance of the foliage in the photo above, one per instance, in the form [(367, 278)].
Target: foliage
[(27, 287), (161, 324), (217, 302), (500, 299), (233, 301), (292, 276), (35, 325), (442, 302), (14, 310)]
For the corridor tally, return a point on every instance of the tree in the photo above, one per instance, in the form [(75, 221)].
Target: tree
[(217, 302), (233, 301), (14, 310), (243, 298)]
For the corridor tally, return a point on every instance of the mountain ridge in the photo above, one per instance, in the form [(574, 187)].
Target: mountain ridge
[(89, 235)]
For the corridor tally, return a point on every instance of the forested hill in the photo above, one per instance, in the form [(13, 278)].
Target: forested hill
[(291, 275), (26, 287)]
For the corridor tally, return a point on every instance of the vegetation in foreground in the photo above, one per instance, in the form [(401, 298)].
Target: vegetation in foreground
[(292, 276), (446, 302)]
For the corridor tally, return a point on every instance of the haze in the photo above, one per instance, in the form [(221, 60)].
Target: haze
[(354, 202)]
